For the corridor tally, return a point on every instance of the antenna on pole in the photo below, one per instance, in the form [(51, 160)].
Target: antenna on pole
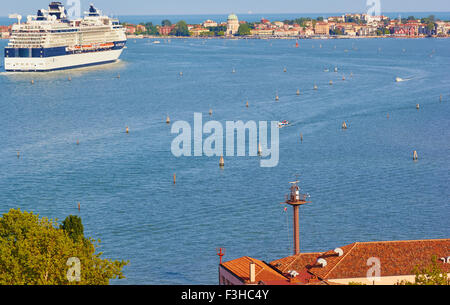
[(296, 199), (220, 253)]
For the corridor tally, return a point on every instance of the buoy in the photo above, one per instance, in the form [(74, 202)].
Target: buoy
[(18, 154), (78, 142), (234, 70), (351, 74), (79, 206), (301, 138), (32, 81), (331, 82), (277, 98), (210, 111), (167, 120), (259, 149), (417, 106), (343, 77), (174, 178), (344, 125), (415, 156), (335, 69), (298, 91), (284, 70), (181, 73), (246, 104), (315, 87), (221, 162), (126, 130)]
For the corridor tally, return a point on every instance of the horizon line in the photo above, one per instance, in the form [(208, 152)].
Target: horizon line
[(268, 13)]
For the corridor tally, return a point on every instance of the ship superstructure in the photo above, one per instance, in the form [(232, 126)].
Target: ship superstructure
[(49, 41)]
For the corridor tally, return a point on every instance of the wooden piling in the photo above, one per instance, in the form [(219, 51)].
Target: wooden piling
[(167, 120), (344, 125), (174, 178), (221, 162), (415, 156)]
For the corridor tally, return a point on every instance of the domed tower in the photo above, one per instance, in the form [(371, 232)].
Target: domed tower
[(232, 24)]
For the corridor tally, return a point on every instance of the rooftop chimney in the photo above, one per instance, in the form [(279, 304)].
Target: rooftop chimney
[(252, 272), (322, 262)]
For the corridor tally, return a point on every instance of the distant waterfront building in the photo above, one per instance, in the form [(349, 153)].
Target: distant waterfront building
[(209, 23), (322, 28), (232, 24)]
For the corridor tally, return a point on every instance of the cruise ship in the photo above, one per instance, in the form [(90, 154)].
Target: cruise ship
[(49, 41)]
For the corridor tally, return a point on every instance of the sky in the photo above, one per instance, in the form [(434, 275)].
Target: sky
[(189, 7)]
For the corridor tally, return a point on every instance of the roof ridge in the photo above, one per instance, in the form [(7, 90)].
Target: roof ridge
[(350, 250), (403, 241)]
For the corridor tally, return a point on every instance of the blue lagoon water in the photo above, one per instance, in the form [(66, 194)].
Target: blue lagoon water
[(363, 183)]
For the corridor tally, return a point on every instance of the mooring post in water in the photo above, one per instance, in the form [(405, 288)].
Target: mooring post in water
[(174, 178), (246, 104), (127, 130), (32, 81), (344, 125), (259, 149), (301, 137), (210, 111), (79, 206), (221, 162), (415, 156), (298, 91), (18, 154), (417, 106), (167, 120)]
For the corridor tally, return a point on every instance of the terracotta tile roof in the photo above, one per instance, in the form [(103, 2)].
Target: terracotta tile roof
[(296, 262), (396, 258), (263, 272)]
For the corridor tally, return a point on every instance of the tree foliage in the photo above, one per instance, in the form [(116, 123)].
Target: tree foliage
[(244, 30), (181, 29), (73, 227), (429, 275), (35, 251)]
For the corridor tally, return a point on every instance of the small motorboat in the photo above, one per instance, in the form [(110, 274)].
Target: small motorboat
[(156, 41), (283, 124)]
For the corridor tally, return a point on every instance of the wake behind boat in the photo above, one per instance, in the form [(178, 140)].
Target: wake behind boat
[(49, 41)]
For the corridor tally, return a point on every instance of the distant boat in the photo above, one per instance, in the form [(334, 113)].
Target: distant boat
[(156, 41), (283, 124)]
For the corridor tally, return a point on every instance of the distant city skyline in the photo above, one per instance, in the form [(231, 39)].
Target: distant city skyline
[(179, 7)]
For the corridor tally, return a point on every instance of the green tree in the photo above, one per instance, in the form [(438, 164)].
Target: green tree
[(430, 275), (244, 30), (73, 227), (181, 29), (35, 251), (166, 22)]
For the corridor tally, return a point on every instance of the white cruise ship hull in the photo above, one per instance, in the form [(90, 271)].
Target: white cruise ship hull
[(70, 61)]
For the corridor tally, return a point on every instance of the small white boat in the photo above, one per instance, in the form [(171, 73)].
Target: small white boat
[(156, 41), (283, 124)]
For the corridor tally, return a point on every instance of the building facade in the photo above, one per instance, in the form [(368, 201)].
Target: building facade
[(232, 25)]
